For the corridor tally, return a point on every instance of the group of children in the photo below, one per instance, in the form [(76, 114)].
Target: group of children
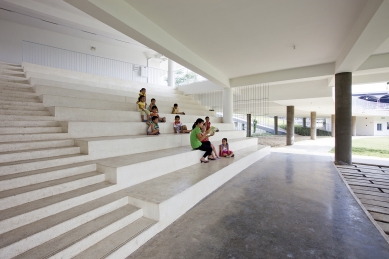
[(153, 128)]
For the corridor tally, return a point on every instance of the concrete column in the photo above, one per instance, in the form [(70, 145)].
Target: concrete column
[(313, 125), (304, 122), (343, 113), (333, 125), (289, 125), (275, 125), (248, 125), (353, 125), (170, 71), (228, 105)]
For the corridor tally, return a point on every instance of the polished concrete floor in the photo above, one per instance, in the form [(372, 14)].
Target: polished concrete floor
[(284, 206)]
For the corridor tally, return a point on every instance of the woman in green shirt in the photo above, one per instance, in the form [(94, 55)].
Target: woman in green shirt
[(196, 138)]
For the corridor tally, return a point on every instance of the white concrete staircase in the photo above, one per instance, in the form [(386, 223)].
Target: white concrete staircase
[(79, 177)]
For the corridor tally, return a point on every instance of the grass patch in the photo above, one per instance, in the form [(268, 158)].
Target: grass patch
[(378, 147)]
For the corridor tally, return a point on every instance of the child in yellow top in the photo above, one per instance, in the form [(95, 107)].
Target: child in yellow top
[(176, 110), (142, 108), (142, 92)]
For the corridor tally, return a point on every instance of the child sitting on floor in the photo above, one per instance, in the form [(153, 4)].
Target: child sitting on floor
[(154, 112), (151, 104), (224, 149), (176, 110), (214, 153), (154, 127), (141, 108), (178, 127)]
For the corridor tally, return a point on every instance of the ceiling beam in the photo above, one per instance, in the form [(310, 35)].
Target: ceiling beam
[(121, 16)]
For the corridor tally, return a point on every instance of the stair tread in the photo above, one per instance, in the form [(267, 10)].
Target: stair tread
[(113, 242), (164, 187), (37, 204), (17, 234), (73, 236), (33, 141), (38, 186), (39, 160), (37, 150)]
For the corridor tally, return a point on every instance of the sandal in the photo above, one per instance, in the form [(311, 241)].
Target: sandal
[(205, 161)]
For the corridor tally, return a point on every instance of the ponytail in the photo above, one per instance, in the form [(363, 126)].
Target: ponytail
[(199, 120)]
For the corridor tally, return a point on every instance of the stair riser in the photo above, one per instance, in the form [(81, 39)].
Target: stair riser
[(21, 104), (16, 200), (27, 218), (16, 81), (15, 146), (21, 108), (37, 154), (15, 85), (29, 124), (19, 168), (26, 118), (53, 232), (12, 77), (24, 113), (43, 177), (90, 240), (12, 130), (33, 137), (17, 93), (16, 99)]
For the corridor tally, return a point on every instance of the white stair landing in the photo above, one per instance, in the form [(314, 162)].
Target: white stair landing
[(166, 198)]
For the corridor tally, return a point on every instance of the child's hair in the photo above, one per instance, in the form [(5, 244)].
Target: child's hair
[(154, 117), (176, 117), (207, 117), (142, 89), (152, 99), (175, 105), (154, 107), (140, 97), (225, 140), (199, 120)]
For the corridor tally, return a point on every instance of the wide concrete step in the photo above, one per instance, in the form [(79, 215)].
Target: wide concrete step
[(15, 85), (41, 231), (80, 114), (13, 156), (18, 76), (22, 92), (32, 137), (40, 163), (73, 242), (21, 130), (29, 123), (27, 145), (26, 118), (22, 108), (27, 213), (64, 101), (111, 247), (14, 71), (101, 147), (18, 103), (12, 181), (21, 195), (4, 79), (24, 112), (81, 129), (24, 89), (19, 99)]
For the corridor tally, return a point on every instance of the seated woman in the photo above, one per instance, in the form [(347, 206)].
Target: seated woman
[(214, 155), (196, 138)]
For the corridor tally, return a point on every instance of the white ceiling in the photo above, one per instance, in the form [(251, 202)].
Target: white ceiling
[(254, 36)]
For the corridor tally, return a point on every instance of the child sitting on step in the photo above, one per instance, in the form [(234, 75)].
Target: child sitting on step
[(213, 155), (142, 92), (176, 110), (178, 127), (151, 104), (154, 127), (154, 112), (224, 149), (142, 108), (207, 123)]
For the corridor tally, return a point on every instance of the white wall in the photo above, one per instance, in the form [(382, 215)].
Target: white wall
[(384, 121), (367, 126), (12, 35)]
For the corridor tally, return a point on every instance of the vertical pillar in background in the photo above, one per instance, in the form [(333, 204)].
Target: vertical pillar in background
[(333, 125), (304, 122), (170, 76), (353, 126), (289, 125), (275, 125), (248, 125), (313, 125), (343, 113), (228, 105)]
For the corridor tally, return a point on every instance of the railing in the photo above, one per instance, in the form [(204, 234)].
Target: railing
[(185, 76), (44, 55), (367, 105)]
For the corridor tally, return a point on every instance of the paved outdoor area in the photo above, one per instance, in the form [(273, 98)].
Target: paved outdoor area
[(291, 204)]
